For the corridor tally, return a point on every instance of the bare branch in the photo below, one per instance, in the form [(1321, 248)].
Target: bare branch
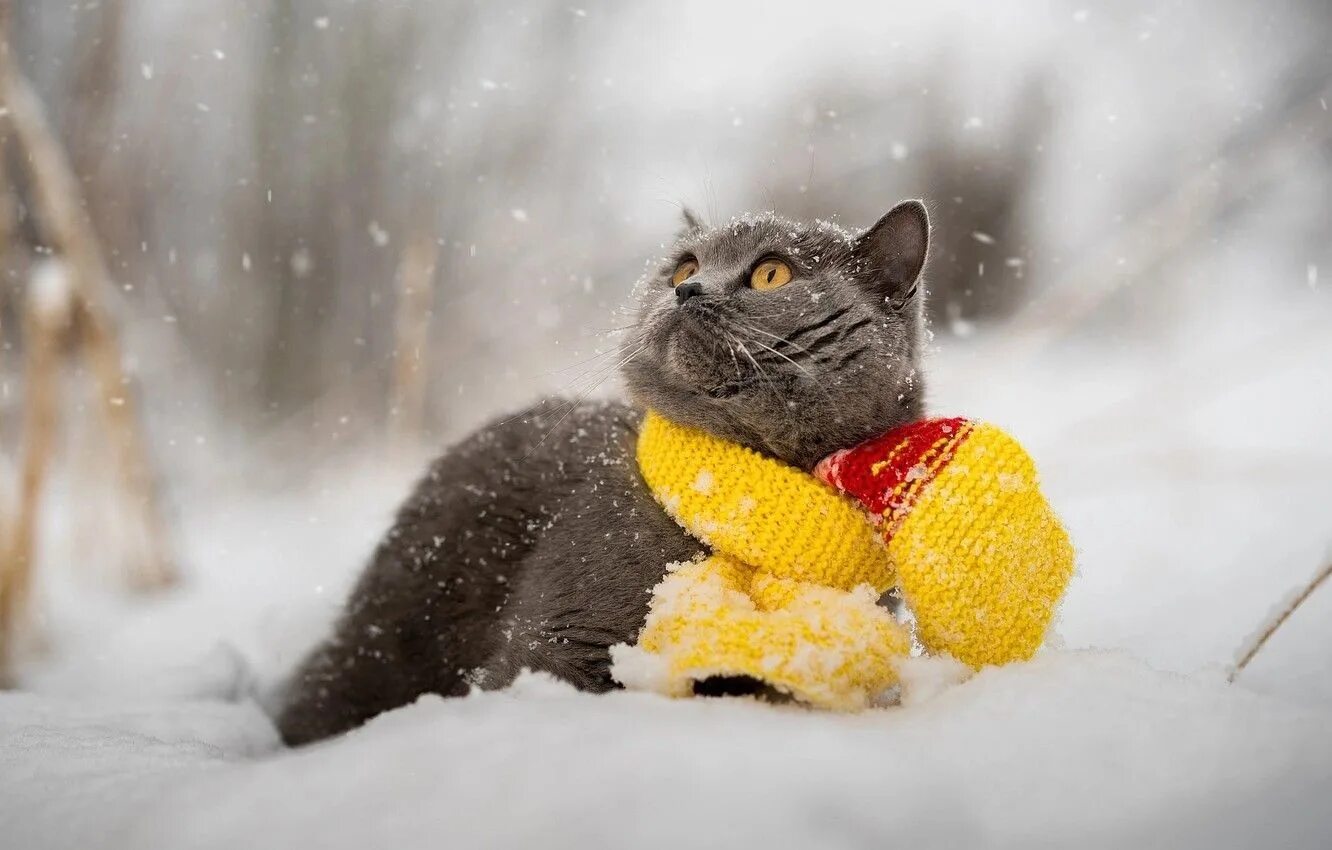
[(65, 225), (1281, 618), (46, 321)]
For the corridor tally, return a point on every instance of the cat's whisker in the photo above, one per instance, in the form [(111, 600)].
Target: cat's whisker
[(730, 346), (589, 381), (590, 362), (746, 326), (814, 382), (567, 407), (812, 379), (780, 339), (767, 347), (594, 358), (759, 369), (592, 374), (583, 397), (613, 331), (597, 375)]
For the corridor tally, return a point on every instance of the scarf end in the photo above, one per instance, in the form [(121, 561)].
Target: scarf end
[(823, 647)]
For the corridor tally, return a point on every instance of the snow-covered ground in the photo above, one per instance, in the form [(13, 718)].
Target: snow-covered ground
[(1185, 448), (1194, 477), (1076, 749)]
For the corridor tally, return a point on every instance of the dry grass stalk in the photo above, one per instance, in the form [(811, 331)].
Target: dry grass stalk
[(416, 275), (65, 224), (46, 321), (1280, 619)]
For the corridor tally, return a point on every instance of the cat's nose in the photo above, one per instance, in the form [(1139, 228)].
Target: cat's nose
[(687, 290)]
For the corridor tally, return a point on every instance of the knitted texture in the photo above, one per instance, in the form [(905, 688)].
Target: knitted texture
[(789, 594), (982, 559), (758, 510)]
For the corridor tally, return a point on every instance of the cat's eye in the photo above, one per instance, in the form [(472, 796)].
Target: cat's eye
[(688, 268), (770, 274)]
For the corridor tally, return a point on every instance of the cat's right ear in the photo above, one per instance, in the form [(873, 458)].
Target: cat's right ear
[(891, 254)]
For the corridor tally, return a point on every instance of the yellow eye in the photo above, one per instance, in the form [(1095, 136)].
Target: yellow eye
[(687, 268), (770, 274)]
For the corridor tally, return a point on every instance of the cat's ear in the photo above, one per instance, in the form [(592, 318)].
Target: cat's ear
[(690, 220), (891, 254)]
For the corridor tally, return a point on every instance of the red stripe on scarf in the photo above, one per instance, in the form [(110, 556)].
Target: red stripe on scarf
[(887, 472)]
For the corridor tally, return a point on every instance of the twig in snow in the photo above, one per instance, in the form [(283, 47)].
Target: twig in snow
[(1281, 618)]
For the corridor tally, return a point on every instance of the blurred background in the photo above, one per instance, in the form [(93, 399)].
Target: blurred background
[(324, 238)]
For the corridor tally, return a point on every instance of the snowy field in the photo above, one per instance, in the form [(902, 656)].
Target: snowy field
[(1180, 420), (1196, 485), (1076, 749)]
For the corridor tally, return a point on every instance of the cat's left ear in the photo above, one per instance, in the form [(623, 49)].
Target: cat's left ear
[(891, 254), (690, 221)]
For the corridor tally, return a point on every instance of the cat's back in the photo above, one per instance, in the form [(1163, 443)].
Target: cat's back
[(493, 496), (520, 513), (549, 449), (540, 518)]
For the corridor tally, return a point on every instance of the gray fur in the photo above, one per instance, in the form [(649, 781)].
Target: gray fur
[(822, 363), (534, 543)]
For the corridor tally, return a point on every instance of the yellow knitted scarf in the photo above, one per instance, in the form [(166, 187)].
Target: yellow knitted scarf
[(788, 595)]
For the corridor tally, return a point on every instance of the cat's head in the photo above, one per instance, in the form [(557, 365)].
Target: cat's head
[(793, 339)]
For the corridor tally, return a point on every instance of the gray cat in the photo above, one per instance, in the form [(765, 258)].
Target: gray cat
[(535, 544)]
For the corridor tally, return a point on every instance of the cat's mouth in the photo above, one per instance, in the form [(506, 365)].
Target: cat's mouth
[(700, 356)]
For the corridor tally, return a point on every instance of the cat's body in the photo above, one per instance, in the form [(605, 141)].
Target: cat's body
[(532, 544), (535, 544)]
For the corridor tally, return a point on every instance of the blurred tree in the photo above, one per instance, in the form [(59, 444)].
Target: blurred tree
[(323, 132), (978, 185)]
